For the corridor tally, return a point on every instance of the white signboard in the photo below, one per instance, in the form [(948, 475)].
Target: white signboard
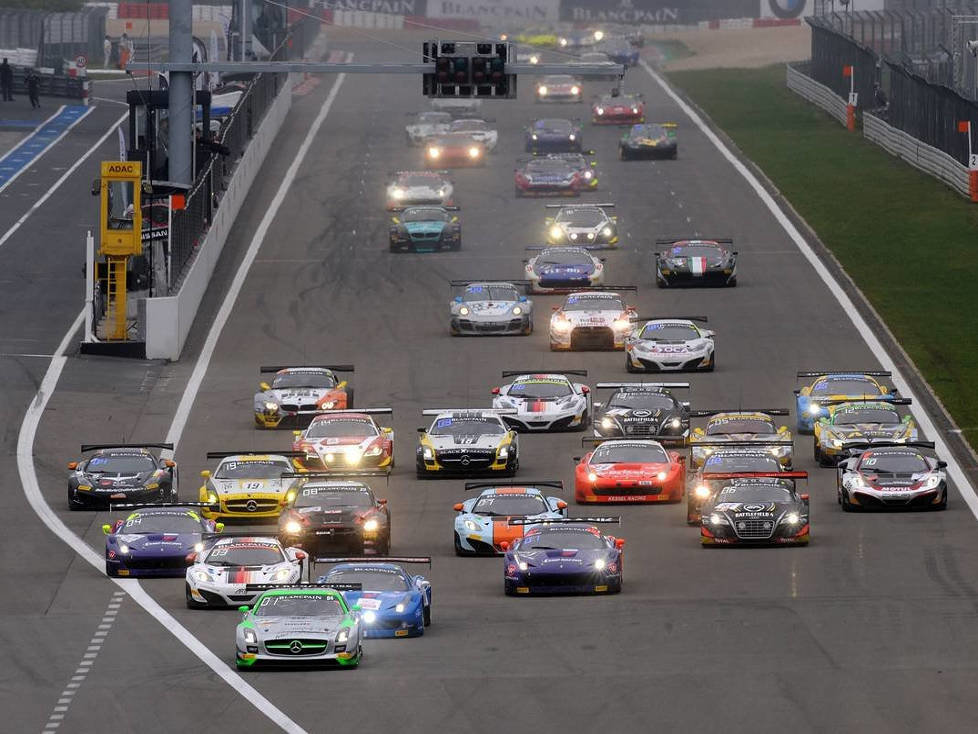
[(785, 9), (973, 162), (517, 12)]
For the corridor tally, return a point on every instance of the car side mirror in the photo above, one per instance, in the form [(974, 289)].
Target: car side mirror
[(782, 429), (457, 299), (495, 391), (422, 429), (561, 505), (458, 507), (205, 474), (523, 299), (106, 529), (169, 463), (585, 389), (342, 385), (576, 459), (72, 465), (191, 557), (619, 543), (504, 545), (219, 527), (893, 391), (382, 501), (942, 465), (243, 609), (356, 607), (297, 434), (797, 392), (264, 386), (594, 164), (598, 405), (96, 186), (299, 555), (804, 497)]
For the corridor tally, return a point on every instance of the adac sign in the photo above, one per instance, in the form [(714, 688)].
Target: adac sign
[(126, 169), (655, 12)]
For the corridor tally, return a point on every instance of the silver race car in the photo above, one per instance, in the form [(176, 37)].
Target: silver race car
[(670, 344), (592, 319), (899, 475), (582, 224), (477, 129), (427, 125), (407, 188), (297, 394), (467, 441), (544, 401), (562, 269), (490, 307)]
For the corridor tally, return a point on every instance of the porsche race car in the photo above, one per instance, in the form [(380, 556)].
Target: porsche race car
[(466, 441), (695, 262), (427, 125), (121, 473), (454, 150), (155, 540), (670, 344), (345, 439), (649, 140), (630, 470), (543, 401), (641, 409), (482, 522), (490, 307), (548, 176), (247, 485), (562, 269), (425, 229), (827, 385), (558, 88), (592, 319), (760, 508), (582, 224), (857, 421), (728, 457), (554, 136), (622, 109), (736, 427), (297, 394), (221, 573), (407, 188), (478, 130), (898, 476)]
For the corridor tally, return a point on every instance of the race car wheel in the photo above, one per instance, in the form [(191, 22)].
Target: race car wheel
[(621, 154), (847, 506), (629, 367), (513, 468), (713, 363), (509, 588), (585, 422), (459, 550), (519, 192), (420, 471), (72, 505), (661, 282), (191, 602), (818, 456), (528, 329), (110, 571), (427, 616), (942, 505), (383, 549), (732, 283)]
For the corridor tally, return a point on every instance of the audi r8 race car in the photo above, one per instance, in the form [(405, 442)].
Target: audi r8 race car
[(407, 188), (759, 509), (583, 167), (554, 136), (582, 224), (745, 425), (478, 130), (154, 540), (543, 401), (548, 177), (728, 458), (425, 229), (558, 88), (695, 262), (630, 470), (121, 473), (561, 269), (619, 51), (670, 344), (297, 394), (221, 574), (299, 624), (622, 109), (490, 307), (392, 602), (427, 125), (482, 523), (457, 107), (342, 440), (855, 422), (877, 476), (649, 140), (333, 511), (466, 441), (454, 150), (829, 385), (641, 409), (565, 556), (592, 319), (248, 486)]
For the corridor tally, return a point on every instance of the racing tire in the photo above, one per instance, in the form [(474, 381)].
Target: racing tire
[(459, 550), (456, 247), (732, 283), (509, 589), (713, 363), (426, 616), (383, 550), (621, 154), (421, 472), (528, 330), (512, 469), (847, 506), (110, 572), (585, 422), (818, 456), (675, 155), (72, 505), (942, 505), (629, 367), (661, 282), (191, 602)]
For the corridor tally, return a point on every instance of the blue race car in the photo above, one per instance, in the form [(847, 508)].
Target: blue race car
[(565, 556), (554, 136), (482, 523), (156, 540), (620, 51), (560, 268), (425, 229), (393, 603), (828, 385)]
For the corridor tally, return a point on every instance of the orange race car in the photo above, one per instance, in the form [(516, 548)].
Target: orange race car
[(630, 470)]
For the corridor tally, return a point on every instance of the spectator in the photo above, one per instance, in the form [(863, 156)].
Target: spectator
[(33, 88), (124, 51), (7, 81), (106, 51)]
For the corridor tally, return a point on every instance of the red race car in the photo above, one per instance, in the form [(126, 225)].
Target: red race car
[(629, 470), (453, 150), (625, 109), (341, 440)]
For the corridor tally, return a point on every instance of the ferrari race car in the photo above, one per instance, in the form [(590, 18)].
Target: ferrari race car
[(478, 130), (649, 140), (454, 150), (558, 88), (154, 540), (250, 486), (827, 385), (851, 422), (548, 177), (296, 394), (760, 508), (221, 574), (737, 427), (299, 624), (565, 556), (427, 125), (466, 441), (624, 109), (425, 229), (543, 401), (728, 458), (554, 136), (482, 523), (490, 307), (695, 262), (392, 602), (670, 344), (592, 319), (457, 107), (630, 470), (121, 473), (346, 439), (561, 269), (901, 476), (641, 409), (413, 188), (583, 167), (582, 224)]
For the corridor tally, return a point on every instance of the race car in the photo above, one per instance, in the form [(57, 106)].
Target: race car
[(337, 512), (454, 150), (482, 522), (154, 540), (738, 426), (565, 556), (297, 394), (582, 224), (619, 51), (562, 269), (630, 470), (836, 385), (554, 136), (345, 439), (539, 37), (299, 624), (221, 573), (466, 441), (247, 485), (543, 401), (548, 177), (576, 38), (425, 229), (457, 107), (857, 421), (761, 508), (407, 188), (877, 476), (592, 319), (727, 457), (695, 262), (427, 125), (121, 473), (649, 140), (490, 307), (478, 130), (670, 344), (641, 409), (583, 166), (392, 602), (558, 88), (620, 109), (527, 57)]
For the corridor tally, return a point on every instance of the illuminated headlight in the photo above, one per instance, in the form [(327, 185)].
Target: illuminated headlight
[(592, 477), (634, 110), (212, 498), (442, 192), (522, 565), (504, 452), (463, 311), (556, 232), (661, 475), (675, 423), (622, 325), (250, 637), (473, 152), (856, 482), (398, 193), (471, 525), (607, 424), (542, 91), (290, 495), (562, 326), (343, 635), (835, 443), (433, 152), (271, 407), (606, 231), (588, 175), (932, 482), (374, 451), (575, 90), (814, 409), (427, 453), (534, 59), (534, 136), (399, 608), (369, 617), (716, 519), (573, 235), (293, 527), (598, 35), (702, 491), (198, 547), (599, 564), (517, 310), (370, 525), (590, 235), (282, 574), (563, 41), (775, 451), (599, 110), (329, 458), (792, 518), (572, 136), (201, 576)]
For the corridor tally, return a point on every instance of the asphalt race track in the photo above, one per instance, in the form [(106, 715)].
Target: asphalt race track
[(871, 628)]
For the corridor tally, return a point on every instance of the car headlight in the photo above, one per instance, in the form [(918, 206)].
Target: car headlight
[(702, 491), (814, 409), (517, 310), (563, 41), (588, 175), (470, 525), (124, 549), (534, 59), (556, 232), (198, 547), (716, 519), (212, 498), (599, 564), (634, 110), (599, 110), (343, 635), (271, 407), (370, 526), (675, 423), (289, 496), (201, 576), (590, 235), (932, 482), (533, 137), (282, 574), (369, 617), (562, 326), (427, 453), (572, 137), (374, 451), (399, 608), (575, 90), (792, 518), (592, 477), (606, 231), (598, 35), (433, 152), (398, 193), (622, 325), (523, 565), (464, 311), (473, 152), (542, 91), (835, 443), (504, 452), (442, 192), (293, 527), (661, 475), (250, 637), (607, 423)]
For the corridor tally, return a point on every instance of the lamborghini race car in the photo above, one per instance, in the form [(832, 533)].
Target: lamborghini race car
[(759, 509), (896, 476), (296, 394), (558, 88), (728, 458), (454, 150), (342, 440), (482, 523), (427, 125), (562, 269), (121, 473), (407, 188), (554, 136), (490, 307), (649, 140), (544, 401), (548, 177), (565, 556), (630, 470), (247, 485), (592, 319), (695, 262), (154, 540), (425, 229), (836, 385), (478, 130), (624, 109), (641, 409), (670, 344), (582, 224), (737, 427), (580, 163), (852, 422), (467, 442), (221, 572)]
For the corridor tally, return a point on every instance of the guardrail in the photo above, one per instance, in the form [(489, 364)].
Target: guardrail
[(818, 94)]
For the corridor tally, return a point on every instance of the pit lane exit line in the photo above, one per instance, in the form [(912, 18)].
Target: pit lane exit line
[(34, 146)]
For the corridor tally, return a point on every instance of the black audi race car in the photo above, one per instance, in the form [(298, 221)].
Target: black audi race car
[(121, 473), (649, 140), (641, 409), (759, 508), (695, 262)]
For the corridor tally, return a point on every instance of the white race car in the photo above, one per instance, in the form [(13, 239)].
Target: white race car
[(544, 401), (490, 307), (476, 129), (427, 125), (224, 574), (670, 345), (412, 188), (592, 320), (467, 441), (582, 224)]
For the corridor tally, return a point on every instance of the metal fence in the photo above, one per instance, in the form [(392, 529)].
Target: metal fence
[(803, 85), (832, 51)]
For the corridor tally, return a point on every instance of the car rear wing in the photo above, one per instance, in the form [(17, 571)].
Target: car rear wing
[(868, 399), (242, 534), (820, 373), (267, 368), (676, 440), (137, 505), (337, 475), (86, 447), (855, 449), (376, 559), (564, 520), (589, 248), (601, 288), (424, 206), (723, 476), (584, 205), (741, 444), (494, 411), (225, 454), (517, 373), (560, 156), (489, 281), (284, 587), (667, 125), (641, 385), (702, 319), (766, 411), (551, 483), (674, 240), (369, 411)]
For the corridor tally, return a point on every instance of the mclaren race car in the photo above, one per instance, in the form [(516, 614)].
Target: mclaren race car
[(490, 307), (548, 176), (466, 442), (425, 229), (407, 188), (630, 470), (343, 440), (544, 401), (561, 269), (554, 136), (427, 125), (670, 344), (220, 574), (582, 224), (454, 150), (558, 88), (246, 485), (728, 457), (736, 427), (592, 319), (624, 109), (757, 509), (641, 409), (478, 130), (898, 476), (482, 522), (155, 540), (826, 385), (855, 422), (297, 394), (649, 140), (695, 262), (121, 473)]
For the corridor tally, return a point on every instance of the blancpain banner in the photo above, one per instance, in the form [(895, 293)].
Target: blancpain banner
[(495, 11), (396, 7)]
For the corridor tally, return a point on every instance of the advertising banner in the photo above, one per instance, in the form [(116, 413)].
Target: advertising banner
[(494, 12), (656, 12)]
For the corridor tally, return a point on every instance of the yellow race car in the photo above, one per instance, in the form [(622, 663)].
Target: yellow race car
[(860, 423), (248, 486), (539, 37), (829, 385), (740, 428)]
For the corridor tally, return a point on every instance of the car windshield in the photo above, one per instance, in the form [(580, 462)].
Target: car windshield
[(648, 131), (429, 214), (252, 469), (550, 165), (322, 606), (642, 401), (468, 126), (727, 462), (434, 118), (341, 428), (563, 539), (866, 415), (625, 100), (537, 388), (556, 126), (162, 522), (244, 554), (670, 332), (128, 464), (419, 180), (754, 494), (474, 293), (510, 504), (565, 257), (847, 386), (893, 462), (593, 303), (581, 217), (354, 496), (303, 379), (450, 426), (370, 579), (694, 251), (556, 79), (629, 454), (726, 426)]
